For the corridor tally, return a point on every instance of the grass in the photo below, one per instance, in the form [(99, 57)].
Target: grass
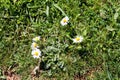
[(95, 58)]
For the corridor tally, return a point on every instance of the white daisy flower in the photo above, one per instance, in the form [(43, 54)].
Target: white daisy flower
[(64, 21), (78, 39), (36, 53), (34, 45), (36, 38)]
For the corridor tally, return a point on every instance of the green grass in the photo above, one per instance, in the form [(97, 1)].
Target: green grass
[(96, 58)]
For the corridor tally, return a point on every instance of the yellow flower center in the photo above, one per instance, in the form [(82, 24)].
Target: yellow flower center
[(77, 39), (64, 20), (37, 38), (35, 45), (36, 53)]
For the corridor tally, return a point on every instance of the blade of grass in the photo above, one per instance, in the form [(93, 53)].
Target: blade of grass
[(47, 11), (55, 5)]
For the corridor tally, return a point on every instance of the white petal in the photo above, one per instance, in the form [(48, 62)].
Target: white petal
[(67, 18), (33, 45), (36, 50), (64, 23), (36, 38), (75, 41)]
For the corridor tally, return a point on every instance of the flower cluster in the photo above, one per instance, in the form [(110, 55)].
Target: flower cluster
[(36, 53)]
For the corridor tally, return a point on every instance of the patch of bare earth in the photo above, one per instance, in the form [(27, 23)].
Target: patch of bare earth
[(89, 73)]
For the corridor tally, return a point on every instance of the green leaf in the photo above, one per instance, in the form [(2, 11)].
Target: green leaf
[(110, 28)]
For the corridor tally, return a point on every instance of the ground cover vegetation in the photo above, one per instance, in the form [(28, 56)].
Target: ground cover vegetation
[(60, 39)]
